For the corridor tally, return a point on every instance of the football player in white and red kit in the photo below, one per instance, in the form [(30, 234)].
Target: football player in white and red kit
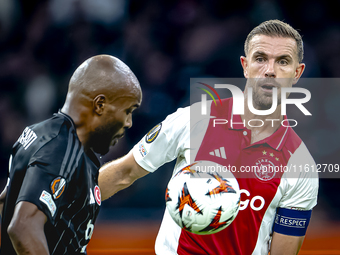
[(275, 207)]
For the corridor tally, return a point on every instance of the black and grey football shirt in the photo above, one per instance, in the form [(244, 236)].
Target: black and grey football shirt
[(50, 169)]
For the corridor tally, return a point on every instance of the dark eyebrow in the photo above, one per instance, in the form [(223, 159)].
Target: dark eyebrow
[(135, 105), (259, 53), (285, 56)]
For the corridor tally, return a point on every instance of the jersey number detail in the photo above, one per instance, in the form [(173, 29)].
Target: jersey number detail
[(88, 234)]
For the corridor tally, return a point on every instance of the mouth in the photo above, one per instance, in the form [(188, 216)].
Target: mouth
[(268, 87)]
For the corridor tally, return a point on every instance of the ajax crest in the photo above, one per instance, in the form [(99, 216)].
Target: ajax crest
[(264, 169)]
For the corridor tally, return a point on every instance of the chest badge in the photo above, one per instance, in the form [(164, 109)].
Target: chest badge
[(265, 169), (97, 195), (58, 187)]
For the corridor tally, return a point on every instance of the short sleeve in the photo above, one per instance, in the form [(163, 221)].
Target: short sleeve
[(43, 184), (37, 189), (164, 142), (301, 183)]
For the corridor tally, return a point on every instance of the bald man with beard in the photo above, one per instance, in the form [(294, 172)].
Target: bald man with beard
[(52, 198)]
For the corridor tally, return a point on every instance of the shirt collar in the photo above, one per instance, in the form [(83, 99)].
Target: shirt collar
[(234, 121), (89, 153), (67, 117), (279, 137), (276, 140)]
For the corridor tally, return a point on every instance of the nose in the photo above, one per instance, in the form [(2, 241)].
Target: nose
[(270, 72), (128, 121)]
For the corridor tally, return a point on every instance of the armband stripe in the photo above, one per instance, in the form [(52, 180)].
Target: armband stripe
[(291, 222)]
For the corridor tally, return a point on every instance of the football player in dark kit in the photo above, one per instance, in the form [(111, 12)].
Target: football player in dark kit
[(52, 198)]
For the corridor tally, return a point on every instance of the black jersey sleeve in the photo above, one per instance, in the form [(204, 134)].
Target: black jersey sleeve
[(46, 182), (36, 189)]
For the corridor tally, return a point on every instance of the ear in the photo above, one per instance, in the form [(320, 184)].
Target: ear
[(298, 72), (99, 104), (244, 64)]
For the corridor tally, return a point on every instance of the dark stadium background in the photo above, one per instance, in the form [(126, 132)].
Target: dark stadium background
[(165, 43)]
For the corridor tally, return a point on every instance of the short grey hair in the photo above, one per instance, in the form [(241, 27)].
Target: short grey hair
[(279, 29)]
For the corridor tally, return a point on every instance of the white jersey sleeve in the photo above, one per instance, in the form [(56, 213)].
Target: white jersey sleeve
[(300, 182), (165, 142)]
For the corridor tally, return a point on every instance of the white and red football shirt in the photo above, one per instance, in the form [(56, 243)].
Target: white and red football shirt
[(189, 136)]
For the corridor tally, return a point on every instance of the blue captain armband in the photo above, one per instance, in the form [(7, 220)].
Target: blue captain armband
[(291, 222)]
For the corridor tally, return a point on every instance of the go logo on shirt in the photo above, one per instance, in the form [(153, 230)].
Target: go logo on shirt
[(256, 203)]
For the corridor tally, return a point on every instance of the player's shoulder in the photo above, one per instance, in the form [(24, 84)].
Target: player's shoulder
[(58, 124), (59, 129), (47, 140), (296, 147), (298, 157), (290, 139), (301, 164), (189, 116), (181, 114)]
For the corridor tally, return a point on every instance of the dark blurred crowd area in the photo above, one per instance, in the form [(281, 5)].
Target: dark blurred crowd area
[(165, 43)]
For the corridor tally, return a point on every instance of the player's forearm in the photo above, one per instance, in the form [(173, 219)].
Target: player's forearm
[(27, 240), (26, 230), (118, 175), (2, 199), (113, 177), (285, 245), (29, 247), (1, 208)]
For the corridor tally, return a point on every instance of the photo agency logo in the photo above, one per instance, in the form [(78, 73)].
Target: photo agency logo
[(239, 104)]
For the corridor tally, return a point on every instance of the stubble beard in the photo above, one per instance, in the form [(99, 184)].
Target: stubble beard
[(262, 100)]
